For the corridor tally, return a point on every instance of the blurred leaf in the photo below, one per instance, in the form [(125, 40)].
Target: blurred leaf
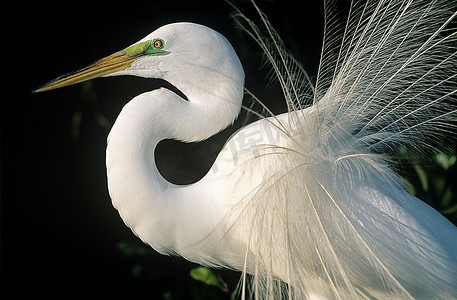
[(433, 181), (204, 275), (207, 276), (445, 161), (409, 186), (450, 210), (439, 183), (422, 177), (446, 200)]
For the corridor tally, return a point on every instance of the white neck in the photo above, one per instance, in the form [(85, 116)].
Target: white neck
[(151, 206)]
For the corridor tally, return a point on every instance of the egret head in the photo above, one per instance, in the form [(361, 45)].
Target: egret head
[(180, 53)]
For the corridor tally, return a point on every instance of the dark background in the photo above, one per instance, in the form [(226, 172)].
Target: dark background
[(61, 237)]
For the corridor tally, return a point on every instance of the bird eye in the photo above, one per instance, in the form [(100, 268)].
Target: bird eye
[(158, 44)]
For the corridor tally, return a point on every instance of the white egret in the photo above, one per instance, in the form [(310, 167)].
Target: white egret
[(306, 201)]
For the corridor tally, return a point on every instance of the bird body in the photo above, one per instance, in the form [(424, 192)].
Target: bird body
[(307, 197), (212, 223)]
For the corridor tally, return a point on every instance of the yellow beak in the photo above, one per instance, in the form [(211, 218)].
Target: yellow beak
[(110, 64)]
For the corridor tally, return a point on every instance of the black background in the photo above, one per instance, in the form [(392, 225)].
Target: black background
[(61, 237)]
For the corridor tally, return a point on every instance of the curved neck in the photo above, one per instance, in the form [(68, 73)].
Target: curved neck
[(156, 210)]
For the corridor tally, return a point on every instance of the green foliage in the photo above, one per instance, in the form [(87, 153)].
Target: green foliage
[(433, 181), (207, 276)]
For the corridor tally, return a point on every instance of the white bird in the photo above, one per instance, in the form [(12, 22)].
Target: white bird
[(306, 202)]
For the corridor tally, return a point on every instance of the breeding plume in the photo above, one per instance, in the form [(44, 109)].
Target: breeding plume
[(309, 206)]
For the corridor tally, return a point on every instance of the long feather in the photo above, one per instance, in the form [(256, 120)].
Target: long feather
[(331, 218)]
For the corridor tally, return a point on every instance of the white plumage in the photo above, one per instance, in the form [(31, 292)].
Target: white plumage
[(306, 202)]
